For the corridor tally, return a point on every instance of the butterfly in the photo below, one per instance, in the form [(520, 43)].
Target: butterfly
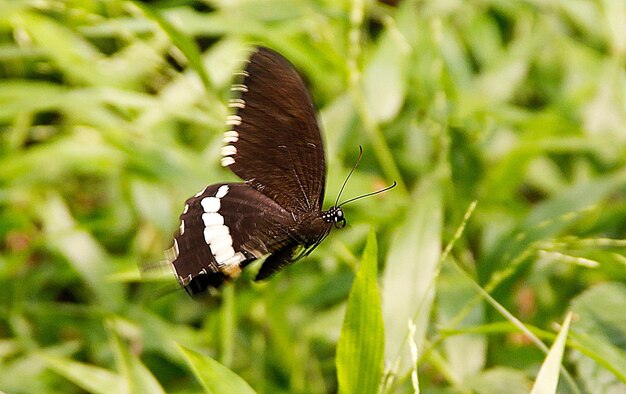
[(275, 146)]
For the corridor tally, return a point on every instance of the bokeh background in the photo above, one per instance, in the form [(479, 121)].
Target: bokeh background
[(112, 114)]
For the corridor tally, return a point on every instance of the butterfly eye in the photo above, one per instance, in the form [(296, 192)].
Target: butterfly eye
[(340, 220)]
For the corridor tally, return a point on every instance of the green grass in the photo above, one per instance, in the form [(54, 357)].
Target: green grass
[(112, 114)]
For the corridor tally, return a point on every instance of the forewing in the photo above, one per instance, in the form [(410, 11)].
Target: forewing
[(275, 143), (223, 228)]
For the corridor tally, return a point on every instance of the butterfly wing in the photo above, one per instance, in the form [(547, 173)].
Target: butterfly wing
[(223, 228), (275, 143)]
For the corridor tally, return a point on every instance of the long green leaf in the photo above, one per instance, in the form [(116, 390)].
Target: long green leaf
[(82, 251), (183, 42), (72, 53), (600, 332), (214, 377), (548, 377), (360, 349), (409, 277), (385, 76), (88, 377), (138, 377)]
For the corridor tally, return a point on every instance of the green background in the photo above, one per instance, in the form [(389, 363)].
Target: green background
[(112, 114)]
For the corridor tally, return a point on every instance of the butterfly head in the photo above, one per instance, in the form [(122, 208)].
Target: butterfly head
[(335, 215)]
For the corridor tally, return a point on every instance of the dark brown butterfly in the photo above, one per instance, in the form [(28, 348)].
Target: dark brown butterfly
[(274, 144)]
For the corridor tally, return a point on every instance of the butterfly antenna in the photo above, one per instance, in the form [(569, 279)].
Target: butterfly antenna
[(358, 160), (369, 194)]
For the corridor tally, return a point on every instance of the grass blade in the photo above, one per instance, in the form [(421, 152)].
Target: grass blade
[(138, 377), (213, 376), (360, 350), (408, 280), (182, 42), (87, 376), (548, 377)]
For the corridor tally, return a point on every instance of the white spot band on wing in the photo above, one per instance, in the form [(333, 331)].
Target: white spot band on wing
[(233, 120), (231, 136), (235, 260), (217, 234), (228, 150), (212, 219), (239, 87), (224, 255), (222, 191), (226, 161), (210, 204), (230, 140), (237, 103), (176, 251)]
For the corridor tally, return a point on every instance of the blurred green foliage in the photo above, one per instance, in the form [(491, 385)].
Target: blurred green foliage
[(111, 115)]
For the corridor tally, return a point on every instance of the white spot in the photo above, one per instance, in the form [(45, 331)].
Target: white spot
[(228, 150), (242, 73), (221, 192), (212, 219), (210, 204), (176, 251), (230, 140), (239, 87), (182, 227), (222, 243), (235, 260), (186, 209), (233, 120), (171, 255), (232, 134), (226, 161), (174, 268), (213, 233), (237, 103), (224, 255), (200, 192)]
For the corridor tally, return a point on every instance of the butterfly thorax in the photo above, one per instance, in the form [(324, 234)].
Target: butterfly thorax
[(312, 227)]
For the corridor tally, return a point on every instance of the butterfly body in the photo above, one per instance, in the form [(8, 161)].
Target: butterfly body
[(274, 145)]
